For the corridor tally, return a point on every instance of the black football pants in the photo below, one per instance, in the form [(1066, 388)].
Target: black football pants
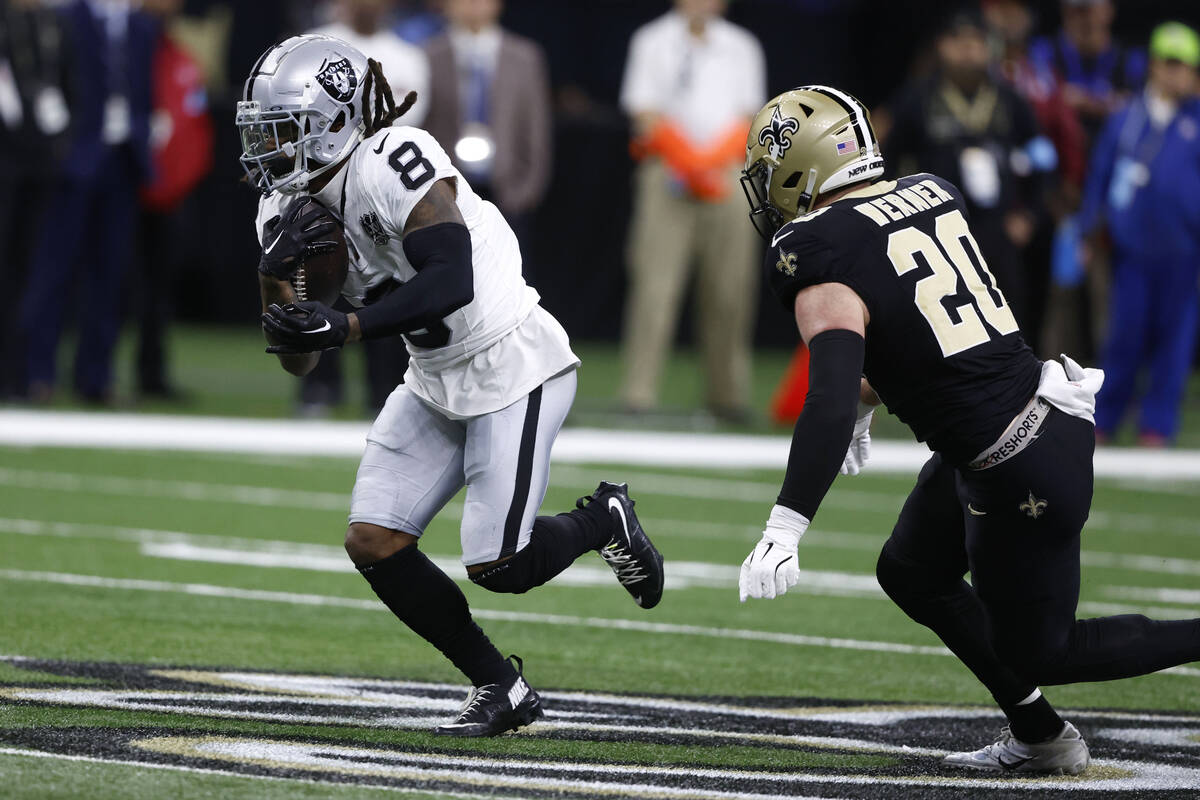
[(1016, 529)]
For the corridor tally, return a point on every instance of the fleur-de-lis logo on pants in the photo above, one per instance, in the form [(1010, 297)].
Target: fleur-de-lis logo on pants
[(1033, 507)]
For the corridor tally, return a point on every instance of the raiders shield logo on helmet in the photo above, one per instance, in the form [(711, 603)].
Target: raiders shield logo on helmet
[(338, 80), (776, 136)]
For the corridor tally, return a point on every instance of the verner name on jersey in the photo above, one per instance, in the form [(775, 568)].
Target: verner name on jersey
[(952, 365), (487, 354)]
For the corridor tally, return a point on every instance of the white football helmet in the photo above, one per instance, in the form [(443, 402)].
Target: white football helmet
[(302, 112)]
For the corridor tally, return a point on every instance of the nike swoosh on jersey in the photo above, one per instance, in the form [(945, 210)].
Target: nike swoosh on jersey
[(971, 508), (779, 237), (379, 149), (321, 329)]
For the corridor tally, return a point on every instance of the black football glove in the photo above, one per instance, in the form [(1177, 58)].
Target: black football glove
[(294, 234), (304, 327)]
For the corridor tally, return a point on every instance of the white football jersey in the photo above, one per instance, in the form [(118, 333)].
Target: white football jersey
[(489, 353)]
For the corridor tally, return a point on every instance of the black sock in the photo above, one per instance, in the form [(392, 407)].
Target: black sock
[(431, 604), (554, 544), (1033, 722)]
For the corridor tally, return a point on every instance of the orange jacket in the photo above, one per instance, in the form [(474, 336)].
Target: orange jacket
[(703, 170)]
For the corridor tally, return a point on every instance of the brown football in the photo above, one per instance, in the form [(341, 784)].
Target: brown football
[(322, 275)]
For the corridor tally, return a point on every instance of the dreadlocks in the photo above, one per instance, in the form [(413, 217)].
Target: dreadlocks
[(379, 107)]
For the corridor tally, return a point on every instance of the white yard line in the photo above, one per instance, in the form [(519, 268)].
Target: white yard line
[(179, 490), (27, 428), (292, 598), (680, 574), (1155, 594), (226, 774), (648, 484), (1099, 609), (330, 558), (759, 493)]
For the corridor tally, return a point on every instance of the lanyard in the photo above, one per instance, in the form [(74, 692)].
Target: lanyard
[(1132, 144)]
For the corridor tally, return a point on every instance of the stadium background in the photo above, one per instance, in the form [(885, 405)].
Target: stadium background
[(863, 46)]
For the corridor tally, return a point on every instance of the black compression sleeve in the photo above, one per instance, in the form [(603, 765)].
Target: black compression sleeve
[(445, 282), (827, 422)]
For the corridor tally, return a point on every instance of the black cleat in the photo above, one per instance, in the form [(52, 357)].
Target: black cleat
[(630, 554), (496, 708)]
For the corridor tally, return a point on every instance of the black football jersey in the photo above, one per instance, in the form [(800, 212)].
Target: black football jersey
[(943, 350)]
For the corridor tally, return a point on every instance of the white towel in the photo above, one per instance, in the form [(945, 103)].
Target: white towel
[(1070, 387)]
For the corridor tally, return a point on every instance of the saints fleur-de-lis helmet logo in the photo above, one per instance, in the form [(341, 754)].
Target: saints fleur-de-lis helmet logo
[(776, 137)]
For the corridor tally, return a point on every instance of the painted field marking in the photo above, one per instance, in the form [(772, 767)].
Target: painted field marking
[(176, 490), (488, 772), (680, 574), (1102, 609), (329, 558), (1155, 595), (204, 491), (292, 598), (664, 485), (354, 787), (130, 431)]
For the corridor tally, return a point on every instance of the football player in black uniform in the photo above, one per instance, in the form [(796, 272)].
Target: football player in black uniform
[(886, 280)]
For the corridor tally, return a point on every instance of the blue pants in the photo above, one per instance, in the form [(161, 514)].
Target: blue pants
[(87, 233), (1154, 312)]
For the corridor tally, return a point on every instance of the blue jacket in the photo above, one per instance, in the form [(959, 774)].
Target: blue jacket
[(1145, 183), (88, 84)]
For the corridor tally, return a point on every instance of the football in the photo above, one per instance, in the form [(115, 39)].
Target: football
[(321, 276)]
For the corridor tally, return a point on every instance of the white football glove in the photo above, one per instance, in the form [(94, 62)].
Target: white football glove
[(860, 443), (773, 566)]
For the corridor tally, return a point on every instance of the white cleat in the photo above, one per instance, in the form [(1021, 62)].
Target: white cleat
[(1065, 754)]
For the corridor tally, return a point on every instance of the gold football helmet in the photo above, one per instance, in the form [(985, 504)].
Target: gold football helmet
[(802, 144)]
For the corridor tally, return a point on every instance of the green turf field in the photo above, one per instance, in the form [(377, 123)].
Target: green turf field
[(175, 598)]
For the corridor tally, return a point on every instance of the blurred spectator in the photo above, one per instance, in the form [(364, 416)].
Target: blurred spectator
[(1013, 21), (362, 23), (181, 140), (490, 109), (1097, 73), (1097, 76), (1144, 185), (420, 20), (969, 127), (33, 121), (91, 231), (692, 82)]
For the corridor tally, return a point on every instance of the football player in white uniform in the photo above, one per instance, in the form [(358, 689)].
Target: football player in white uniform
[(491, 376)]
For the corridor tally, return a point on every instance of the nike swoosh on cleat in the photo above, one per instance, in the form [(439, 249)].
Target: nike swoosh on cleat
[(322, 329), (1014, 764), (614, 503), (379, 149), (971, 508)]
